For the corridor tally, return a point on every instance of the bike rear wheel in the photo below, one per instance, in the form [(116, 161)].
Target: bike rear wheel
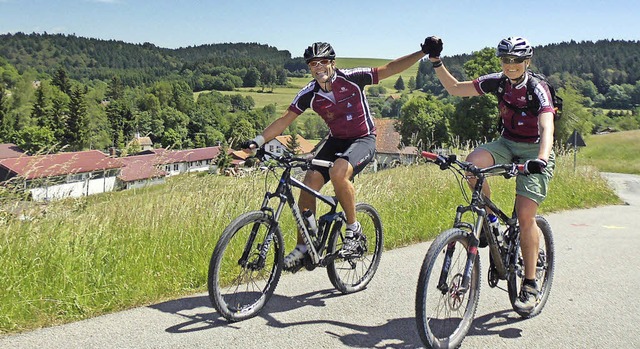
[(443, 315), (544, 270), (238, 287), (352, 273)]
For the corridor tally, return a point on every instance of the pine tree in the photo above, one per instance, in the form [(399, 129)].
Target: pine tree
[(399, 85), (77, 122)]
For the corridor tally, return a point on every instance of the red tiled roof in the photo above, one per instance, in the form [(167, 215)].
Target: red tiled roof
[(40, 166), (305, 146), (10, 150), (172, 156), (388, 140), (140, 167)]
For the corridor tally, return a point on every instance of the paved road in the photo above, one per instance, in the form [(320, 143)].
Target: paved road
[(593, 303)]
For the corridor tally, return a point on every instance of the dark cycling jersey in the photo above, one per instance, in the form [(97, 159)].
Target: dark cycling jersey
[(520, 124), (345, 109)]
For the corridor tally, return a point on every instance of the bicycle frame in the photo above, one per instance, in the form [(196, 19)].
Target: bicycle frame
[(478, 205), (285, 196)]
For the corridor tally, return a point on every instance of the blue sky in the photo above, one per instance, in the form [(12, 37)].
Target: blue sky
[(371, 29)]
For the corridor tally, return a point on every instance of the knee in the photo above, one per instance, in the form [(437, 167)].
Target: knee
[(340, 171), (480, 158)]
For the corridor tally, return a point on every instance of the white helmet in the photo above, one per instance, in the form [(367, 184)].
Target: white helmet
[(515, 46)]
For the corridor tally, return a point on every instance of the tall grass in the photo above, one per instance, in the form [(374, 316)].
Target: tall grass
[(79, 258)]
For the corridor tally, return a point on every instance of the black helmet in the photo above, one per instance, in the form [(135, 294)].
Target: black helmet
[(515, 46), (319, 50)]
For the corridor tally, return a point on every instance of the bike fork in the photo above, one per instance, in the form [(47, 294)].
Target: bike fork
[(472, 254)]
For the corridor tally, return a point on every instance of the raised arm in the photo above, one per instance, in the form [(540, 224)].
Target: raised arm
[(433, 46), (399, 65)]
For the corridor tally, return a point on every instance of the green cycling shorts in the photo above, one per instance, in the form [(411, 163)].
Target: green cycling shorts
[(533, 186)]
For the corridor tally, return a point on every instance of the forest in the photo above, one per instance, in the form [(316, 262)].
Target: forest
[(65, 93)]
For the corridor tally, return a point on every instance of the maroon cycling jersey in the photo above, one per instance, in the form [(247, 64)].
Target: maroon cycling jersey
[(520, 124), (345, 109)]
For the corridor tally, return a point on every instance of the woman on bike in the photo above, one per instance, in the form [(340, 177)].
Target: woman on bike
[(527, 135), (338, 96)]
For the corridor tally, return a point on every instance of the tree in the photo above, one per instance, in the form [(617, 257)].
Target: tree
[(61, 80), (483, 62), (40, 109), (293, 144), (574, 115), (399, 85), (251, 78), (77, 122), (475, 119), (4, 113), (412, 83), (423, 122), (224, 158), (115, 89), (35, 139)]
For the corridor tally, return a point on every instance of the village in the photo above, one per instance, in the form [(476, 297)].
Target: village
[(57, 176)]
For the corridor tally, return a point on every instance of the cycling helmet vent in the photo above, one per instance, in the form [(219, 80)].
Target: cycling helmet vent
[(319, 50), (515, 46)]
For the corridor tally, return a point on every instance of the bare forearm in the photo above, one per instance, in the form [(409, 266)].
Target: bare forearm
[(399, 65), (278, 126), (546, 135), (451, 84)]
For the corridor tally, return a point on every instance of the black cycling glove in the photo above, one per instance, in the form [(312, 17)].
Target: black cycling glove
[(534, 166), (432, 46), (247, 144)]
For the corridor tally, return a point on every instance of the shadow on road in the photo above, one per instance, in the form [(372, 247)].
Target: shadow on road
[(395, 333), (497, 323)]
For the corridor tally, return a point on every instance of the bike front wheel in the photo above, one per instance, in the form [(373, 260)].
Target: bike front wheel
[(352, 273), (544, 270), (444, 313), (245, 266)]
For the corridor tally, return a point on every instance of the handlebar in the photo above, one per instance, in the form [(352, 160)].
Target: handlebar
[(506, 170), (286, 160)]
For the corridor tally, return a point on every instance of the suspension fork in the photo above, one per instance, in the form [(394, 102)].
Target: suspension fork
[(272, 218)]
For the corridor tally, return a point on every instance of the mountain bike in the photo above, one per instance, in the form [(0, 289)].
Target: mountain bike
[(449, 282), (247, 261)]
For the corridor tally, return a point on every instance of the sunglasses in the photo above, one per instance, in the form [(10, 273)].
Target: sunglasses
[(322, 62), (512, 60)]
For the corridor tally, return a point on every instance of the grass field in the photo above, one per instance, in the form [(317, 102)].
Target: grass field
[(613, 152), (80, 258)]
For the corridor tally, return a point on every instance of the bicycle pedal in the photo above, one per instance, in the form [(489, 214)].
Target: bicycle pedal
[(294, 268)]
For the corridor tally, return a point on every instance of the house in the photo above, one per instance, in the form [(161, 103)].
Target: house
[(389, 149), (140, 171), (144, 143), (10, 150), (153, 166), (56, 176), (278, 145)]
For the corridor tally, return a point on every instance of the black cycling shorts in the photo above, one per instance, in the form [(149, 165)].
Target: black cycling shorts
[(359, 152)]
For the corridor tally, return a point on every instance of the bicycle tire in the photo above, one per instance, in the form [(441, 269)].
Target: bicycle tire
[(544, 273), (240, 292), (442, 317), (352, 274)]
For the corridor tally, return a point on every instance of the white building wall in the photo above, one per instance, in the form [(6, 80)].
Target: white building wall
[(73, 190)]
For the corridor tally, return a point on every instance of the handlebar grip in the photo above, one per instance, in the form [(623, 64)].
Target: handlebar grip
[(321, 163), (430, 156)]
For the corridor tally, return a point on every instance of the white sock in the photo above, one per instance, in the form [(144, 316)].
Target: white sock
[(302, 248), (351, 228)]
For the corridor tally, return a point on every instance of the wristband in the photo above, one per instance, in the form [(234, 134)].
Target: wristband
[(259, 140), (437, 63)]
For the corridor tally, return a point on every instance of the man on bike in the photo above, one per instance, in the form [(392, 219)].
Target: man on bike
[(527, 135), (338, 96)]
